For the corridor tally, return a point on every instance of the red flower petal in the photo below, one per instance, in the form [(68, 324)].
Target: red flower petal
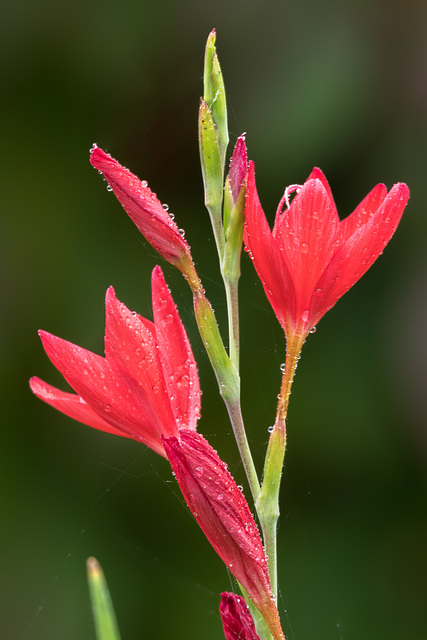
[(307, 234), (130, 343), (363, 211), (73, 406), (224, 516), (268, 261), (178, 364), (317, 174), (143, 207), (236, 618), (354, 257), (108, 390)]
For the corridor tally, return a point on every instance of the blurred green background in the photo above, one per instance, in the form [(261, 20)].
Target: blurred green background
[(334, 84)]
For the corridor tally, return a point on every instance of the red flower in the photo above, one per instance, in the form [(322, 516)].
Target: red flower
[(146, 386), (224, 516), (311, 258), (236, 619), (144, 208)]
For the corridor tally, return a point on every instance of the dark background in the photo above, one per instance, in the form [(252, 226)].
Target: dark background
[(334, 84)]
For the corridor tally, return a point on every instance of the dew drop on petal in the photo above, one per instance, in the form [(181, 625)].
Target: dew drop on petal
[(271, 429), (313, 330), (181, 232), (283, 367), (165, 207), (198, 471), (144, 183), (109, 187), (304, 315)]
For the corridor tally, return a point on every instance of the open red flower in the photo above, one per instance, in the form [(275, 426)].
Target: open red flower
[(145, 209), (223, 514), (236, 619), (146, 386), (311, 258)]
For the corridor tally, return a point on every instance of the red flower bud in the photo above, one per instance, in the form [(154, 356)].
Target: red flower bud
[(238, 168), (236, 619), (223, 514), (145, 209)]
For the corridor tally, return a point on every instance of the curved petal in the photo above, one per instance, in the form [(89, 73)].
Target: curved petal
[(72, 406), (267, 258), (317, 174), (363, 212), (130, 343), (176, 356), (307, 235), (108, 390), (142, 206), (354, 257)]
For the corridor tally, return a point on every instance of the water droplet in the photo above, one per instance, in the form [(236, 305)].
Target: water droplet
[(155, 388), (94, 146), (181, 232), (220, 497), (109, 187), (283, 367), (271, 429), (172, 216), (313, 330), (165, 207), (240, 488), (198, 471), (144, 183), (304, 247), (304, 315)]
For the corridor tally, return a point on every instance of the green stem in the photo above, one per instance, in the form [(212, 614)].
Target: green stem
[(231, 292), (235, 413), (267, 504)]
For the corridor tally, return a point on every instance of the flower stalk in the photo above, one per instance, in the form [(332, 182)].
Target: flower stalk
[(267, 504)]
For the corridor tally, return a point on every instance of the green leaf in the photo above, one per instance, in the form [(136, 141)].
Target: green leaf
[(102, 607)]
